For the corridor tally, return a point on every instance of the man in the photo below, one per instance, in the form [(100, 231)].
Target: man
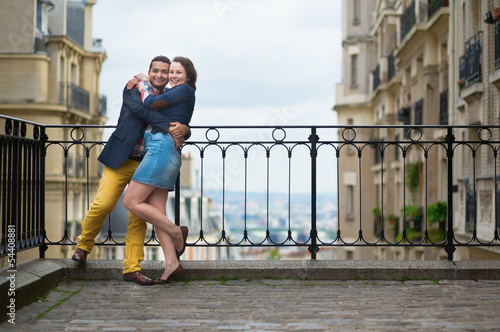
[(121, 156)]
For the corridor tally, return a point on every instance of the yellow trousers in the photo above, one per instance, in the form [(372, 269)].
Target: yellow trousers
[(111, 186)]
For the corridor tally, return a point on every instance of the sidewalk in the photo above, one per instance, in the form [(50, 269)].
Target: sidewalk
[(266, 303)]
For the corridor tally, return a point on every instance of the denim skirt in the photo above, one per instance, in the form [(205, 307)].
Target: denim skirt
[(162, 161)]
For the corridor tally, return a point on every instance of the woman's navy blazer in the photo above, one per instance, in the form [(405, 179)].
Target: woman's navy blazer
[(130, 130)]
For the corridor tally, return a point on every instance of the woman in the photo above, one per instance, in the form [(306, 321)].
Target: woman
[(147, 192)]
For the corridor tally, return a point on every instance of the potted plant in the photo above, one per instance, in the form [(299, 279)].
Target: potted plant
[(392, 218), (412, 212), (412, 175), (436, 213), (413, 216)]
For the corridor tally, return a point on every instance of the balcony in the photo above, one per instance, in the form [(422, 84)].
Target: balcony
[(470, 62), (408, 19), (434, 5), (74, 96)]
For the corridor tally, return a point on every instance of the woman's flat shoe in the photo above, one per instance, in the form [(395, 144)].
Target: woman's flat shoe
[(185, 232), (159, 281), (178, 270)]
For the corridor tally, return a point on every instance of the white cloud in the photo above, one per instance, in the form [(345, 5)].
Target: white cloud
[(251, 56)]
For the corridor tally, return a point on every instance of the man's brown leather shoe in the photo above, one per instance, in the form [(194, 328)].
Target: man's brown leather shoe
[(138, 278), (80, 255)]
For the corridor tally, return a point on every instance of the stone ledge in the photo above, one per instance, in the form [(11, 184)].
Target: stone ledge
[(299, 269)]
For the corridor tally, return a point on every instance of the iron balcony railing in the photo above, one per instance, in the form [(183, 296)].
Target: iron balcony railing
[(408, 19), (234, 162), (72, 95), (434, 5), (470, 62)]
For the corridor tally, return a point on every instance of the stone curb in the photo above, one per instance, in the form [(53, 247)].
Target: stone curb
[(298, 269), (32, 279)]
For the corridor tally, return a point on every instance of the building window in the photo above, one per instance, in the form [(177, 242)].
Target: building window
[(75, 21), (357, 12), (152, 253), (350, 201), (419, 110), (443, 107), (354, 71), (464, 19), (396, 150), (110, 253), (74, 77)]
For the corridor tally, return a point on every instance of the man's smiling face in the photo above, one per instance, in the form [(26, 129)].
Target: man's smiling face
[(158, 74)]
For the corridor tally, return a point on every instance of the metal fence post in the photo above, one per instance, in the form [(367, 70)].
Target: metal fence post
[(450, 248), (42, 155), (313, 138), (177, 200)]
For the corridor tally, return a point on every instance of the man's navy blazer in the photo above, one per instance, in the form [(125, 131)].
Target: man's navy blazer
[(129, 130)]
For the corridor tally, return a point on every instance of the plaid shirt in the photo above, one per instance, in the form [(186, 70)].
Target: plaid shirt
[(145, 89)]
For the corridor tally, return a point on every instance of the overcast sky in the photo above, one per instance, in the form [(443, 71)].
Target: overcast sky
[(254, 57), (259, 62)]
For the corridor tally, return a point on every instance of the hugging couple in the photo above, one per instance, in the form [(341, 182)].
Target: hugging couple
[(144, 153)]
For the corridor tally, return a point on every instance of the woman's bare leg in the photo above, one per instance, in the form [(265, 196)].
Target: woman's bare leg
[(135, 200), (158, 198)]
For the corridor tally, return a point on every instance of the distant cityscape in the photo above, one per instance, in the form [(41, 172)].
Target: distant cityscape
[(257, 213)]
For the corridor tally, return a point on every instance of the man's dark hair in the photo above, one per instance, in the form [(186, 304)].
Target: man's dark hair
[(160, 58), (191, 73)]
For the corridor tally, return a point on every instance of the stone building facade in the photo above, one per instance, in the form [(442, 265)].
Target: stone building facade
[(428, 62), (49, 73)]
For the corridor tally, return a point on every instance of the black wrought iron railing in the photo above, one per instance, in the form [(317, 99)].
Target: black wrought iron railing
[(72, 95), (434, 5), (294, 168), (497, 45), (470, 62), (22, 200), (408, 19)]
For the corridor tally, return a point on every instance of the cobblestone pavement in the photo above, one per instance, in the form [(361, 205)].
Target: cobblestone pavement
[(265, 305)]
